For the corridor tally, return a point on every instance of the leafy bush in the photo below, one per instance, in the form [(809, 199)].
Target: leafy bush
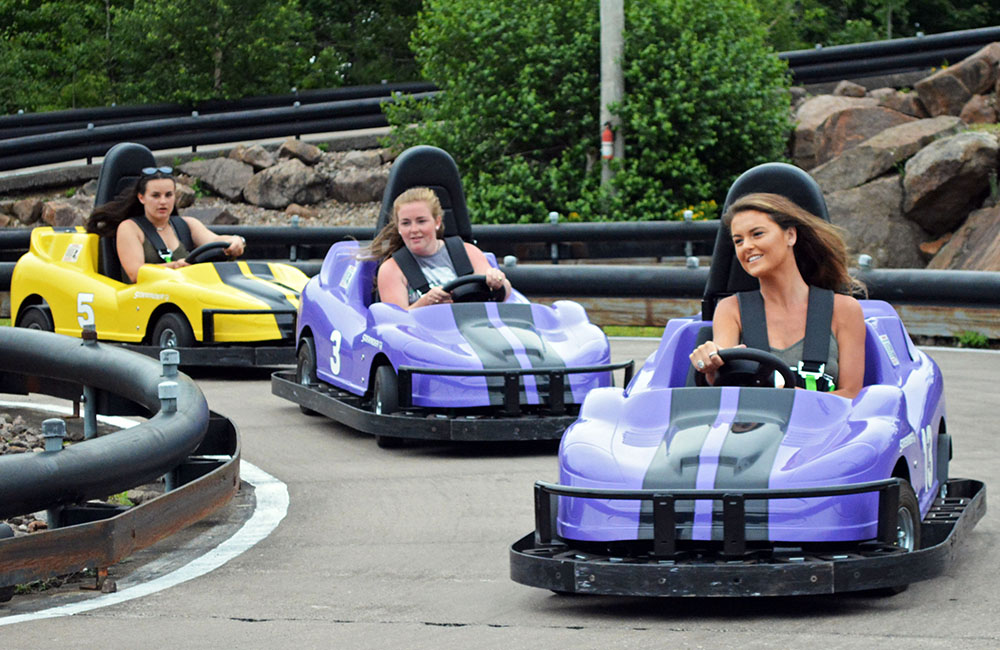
[(705, 99), (970, 339)]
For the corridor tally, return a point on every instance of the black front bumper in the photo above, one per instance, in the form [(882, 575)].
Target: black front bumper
[(352, 411), (227, 356), (541, 560)]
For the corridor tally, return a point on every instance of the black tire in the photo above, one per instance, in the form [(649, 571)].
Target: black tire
[(907, 532), (305, 368), (385, 400), (36, 318), (908, 519), (172, 331)]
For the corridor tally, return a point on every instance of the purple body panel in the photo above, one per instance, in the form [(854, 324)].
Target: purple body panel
[(660, 433), (352, 335)]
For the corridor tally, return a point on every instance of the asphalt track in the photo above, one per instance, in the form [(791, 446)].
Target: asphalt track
[(408, 549)]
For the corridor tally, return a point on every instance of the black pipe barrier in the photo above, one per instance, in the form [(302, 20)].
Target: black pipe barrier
[(48, 122), (95, 468), (235, 126)]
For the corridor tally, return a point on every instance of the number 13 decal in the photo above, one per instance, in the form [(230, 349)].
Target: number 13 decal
[(335, 340)]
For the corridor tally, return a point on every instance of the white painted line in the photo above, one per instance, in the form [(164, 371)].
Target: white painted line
[(271, 507)]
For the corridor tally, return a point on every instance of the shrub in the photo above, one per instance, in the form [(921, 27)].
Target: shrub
[(705, 99)]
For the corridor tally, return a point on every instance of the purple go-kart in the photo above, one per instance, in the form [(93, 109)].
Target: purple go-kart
[(471, 370), (667, 488)]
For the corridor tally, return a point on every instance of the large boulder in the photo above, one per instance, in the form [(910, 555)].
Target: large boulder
[(811, 115), (975, 246), (61, 214), (359, 185), (873, 224), (310, 154), (290, 181), (224, 176), (946, 91), (907, 103), (981, 109), (882, 152), (947, 179), (254, 155), (849, 128)]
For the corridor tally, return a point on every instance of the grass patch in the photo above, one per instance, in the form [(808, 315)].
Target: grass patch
[(4, 321), (633, 330)]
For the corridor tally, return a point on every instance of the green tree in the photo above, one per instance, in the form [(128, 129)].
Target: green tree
[(369, 37), (45, 41), (193, 50), (704, 101)]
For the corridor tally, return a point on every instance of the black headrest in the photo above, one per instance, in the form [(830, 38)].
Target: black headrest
[(426, 166), (726, 276), (122, 166)]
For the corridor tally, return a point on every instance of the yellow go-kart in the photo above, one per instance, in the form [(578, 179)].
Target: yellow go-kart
[(213, 312)]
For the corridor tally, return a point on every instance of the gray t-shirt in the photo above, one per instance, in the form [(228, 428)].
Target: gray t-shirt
[(437, 268)]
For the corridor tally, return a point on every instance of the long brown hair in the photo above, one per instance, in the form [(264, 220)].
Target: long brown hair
[(388, 240), (105, 218), (820, 251)]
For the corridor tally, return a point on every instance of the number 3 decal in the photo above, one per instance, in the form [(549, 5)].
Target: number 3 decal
[(84, 309), (335, 339)]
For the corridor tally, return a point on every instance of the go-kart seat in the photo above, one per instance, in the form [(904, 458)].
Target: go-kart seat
[(122, 166), (427, 166), (726, 276)]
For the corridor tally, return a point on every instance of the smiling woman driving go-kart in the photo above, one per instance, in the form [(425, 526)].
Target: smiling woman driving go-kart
[(419, 266), (800, 261), (144, 221)]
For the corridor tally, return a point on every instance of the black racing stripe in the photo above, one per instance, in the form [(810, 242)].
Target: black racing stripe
[(749, 450), (692, 413), (519, 318), (489, 345), (231, 275), (263, 271)]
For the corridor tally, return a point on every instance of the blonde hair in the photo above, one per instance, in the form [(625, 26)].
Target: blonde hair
[(388, 240), (820, 251)]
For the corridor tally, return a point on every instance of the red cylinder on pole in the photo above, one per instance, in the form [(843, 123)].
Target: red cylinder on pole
[(607, 143)]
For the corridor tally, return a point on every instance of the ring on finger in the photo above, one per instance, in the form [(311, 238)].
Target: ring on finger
[(713, 354), (700, 365)]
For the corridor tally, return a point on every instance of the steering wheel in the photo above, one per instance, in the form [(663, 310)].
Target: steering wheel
[(213, 251), (749, 367), (472, 288)]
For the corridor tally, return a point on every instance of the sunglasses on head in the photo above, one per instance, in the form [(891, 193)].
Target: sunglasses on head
[(152, 171)]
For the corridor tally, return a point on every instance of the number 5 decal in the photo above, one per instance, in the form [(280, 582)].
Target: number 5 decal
[(335, 339), (84, 310)]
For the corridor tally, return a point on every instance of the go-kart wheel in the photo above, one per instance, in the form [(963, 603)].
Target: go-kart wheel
[(472, 288), (749, 367), (36, 318), (213, 251), (385, 400), (172, 331), (305, 368), (908, 520)]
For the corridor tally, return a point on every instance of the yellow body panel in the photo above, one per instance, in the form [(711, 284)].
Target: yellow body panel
[(61, 269)]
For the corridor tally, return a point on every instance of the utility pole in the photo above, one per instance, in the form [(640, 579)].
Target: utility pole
[(612, 82)]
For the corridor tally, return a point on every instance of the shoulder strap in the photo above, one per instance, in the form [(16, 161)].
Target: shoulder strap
[(153, 237), (459, 258), (816, 347), (411, 270), (819, 319), (752, 320), (183, 231)]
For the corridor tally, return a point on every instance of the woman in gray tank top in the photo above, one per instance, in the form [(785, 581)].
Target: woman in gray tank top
[(787, 249), (417, 224)]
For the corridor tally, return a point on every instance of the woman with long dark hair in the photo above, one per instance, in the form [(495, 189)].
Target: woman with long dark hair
[(789, 251), (147, 230)]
